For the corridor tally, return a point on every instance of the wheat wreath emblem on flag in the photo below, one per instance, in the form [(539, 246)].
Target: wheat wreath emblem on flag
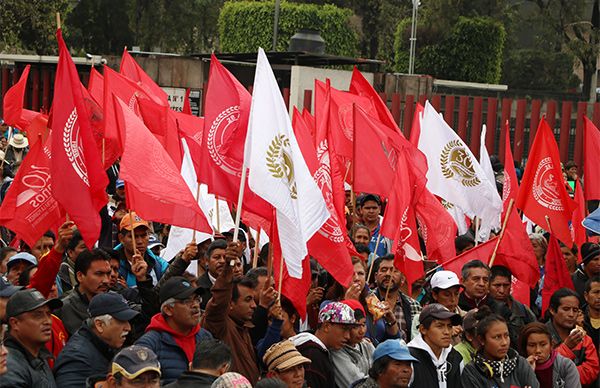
[(456, 164), (280, 164)]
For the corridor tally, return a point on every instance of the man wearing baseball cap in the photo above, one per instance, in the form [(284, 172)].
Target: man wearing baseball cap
[(589, 268), (131, 252), (30, 326), (174, 332), (92, 347), (392, 366), (439, 364), (445, 290), (134, 366), (333, 331), (16, 264)]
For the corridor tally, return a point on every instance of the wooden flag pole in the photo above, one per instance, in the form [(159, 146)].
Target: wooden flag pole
[(508, 210), (387, 291), (218, 210), (58, 25), (270, 261), (135, 252), (280, 281), (549, 226), (238, 209), (374, 257), (197, 197), (256, 249)]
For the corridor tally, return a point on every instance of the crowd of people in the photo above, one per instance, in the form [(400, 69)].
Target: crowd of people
[(119, 315)]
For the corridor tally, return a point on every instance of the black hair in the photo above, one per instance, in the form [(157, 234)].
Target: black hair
[(362, 248), (288, 307), (473, 264), (588, 284), (84, 260), (558, 295), (4, 251), (270, 382), (244, 281), (462, 242), (500, 270), (211, 354), (77, 237), (574, 250), (379, 366), (257, 272), (25, 276), (50, 234), (359, 314), (217, 244), (484, 324)]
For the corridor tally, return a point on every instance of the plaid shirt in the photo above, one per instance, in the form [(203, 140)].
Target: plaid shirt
[(414, 308)]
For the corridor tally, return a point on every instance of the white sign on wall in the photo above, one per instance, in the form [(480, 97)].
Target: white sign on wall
[(176, 98)]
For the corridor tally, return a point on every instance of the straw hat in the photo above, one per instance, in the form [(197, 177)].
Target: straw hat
[(18, 141), (282, 356)]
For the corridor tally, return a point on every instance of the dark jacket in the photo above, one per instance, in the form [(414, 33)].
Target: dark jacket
[(156, 266), (579, 279), (233, 333), (205, 286), (85, 355), (319, 373), (593, 333), (475, 377), (191, 379), (427, 374), (173, 361), (74, 311), (24, 370)]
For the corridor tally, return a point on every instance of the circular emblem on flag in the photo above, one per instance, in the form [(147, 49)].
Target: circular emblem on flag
[(73, 147), (322, 176), (545, 186), (447, 205), (456, 164), (506, 186), (346, 121), (218, 134), (280, 163)]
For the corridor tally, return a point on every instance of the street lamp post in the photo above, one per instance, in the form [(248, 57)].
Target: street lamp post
[(413, 37)]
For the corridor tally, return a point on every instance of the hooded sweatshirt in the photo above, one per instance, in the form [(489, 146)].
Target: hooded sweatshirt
[(187, 342), (319, 373), (431, 371)]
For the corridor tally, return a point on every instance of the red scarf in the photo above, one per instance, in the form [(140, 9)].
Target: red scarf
[(186, 342), (543, 370)]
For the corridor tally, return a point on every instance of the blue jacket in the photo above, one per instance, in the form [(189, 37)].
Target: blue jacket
[(157, 266), (173, 361), (84, 355)]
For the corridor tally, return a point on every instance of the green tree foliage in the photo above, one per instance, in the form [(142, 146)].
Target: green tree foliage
[(471, 51), (29, 26), (536, 69), (246, 25)]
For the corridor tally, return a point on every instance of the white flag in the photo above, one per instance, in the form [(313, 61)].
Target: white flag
[(486, 166), (277, 170), (454, 174)]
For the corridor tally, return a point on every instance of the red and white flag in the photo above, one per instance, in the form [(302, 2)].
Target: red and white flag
[(29, 209), (438, 228), (543, 191), (78, 177), (153, 184)]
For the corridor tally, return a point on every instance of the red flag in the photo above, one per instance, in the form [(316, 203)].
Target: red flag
[(481, 252), (407, 256), (96, 86), (579, 233), (154, 186), (415, 128), (309, 119), (161, 121), (591, 153), (438, 228), (78, 179), (516, 253), (190, 128), (543, 190), (556, 273), (510, 188), (331, 244), (340, 121), (13, 111), (131, 69), (187, 108), (361, 87), (226, 124), (29, 209), (520, 291), (37, 129), (325, 153), (375, 156)]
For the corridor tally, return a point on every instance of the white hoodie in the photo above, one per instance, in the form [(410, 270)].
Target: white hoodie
[(440, 363)]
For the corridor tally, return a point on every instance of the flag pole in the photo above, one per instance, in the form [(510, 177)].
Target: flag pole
[(477, 226), (132, 234), (238, 212), (58, 20), (508, 210), (374, 256), (280, 281), (218, 210), (256, 248), (270, 261), (549, 226), (197, 197)]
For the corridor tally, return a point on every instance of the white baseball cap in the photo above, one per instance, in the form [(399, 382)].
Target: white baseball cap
[(444, 280)]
